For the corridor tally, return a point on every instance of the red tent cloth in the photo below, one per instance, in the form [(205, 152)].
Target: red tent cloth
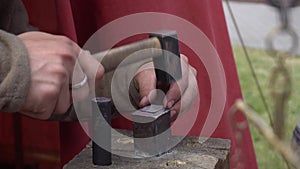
[(80, 19)]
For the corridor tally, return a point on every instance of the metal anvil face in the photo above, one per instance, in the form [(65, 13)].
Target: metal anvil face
[(151, 130)]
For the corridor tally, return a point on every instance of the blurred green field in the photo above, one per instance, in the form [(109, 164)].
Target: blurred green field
[(266, 157)]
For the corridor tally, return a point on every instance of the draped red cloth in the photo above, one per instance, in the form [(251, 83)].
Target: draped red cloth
[(79, 19)]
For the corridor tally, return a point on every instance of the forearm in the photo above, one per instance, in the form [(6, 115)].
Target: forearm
[(14, 73)]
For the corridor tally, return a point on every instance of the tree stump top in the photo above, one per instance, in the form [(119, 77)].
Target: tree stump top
[(191, 152)]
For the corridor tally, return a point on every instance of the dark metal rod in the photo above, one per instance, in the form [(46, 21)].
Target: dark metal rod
[(101, 131)]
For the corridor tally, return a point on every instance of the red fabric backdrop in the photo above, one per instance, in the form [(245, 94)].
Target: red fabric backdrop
[(79, 19)]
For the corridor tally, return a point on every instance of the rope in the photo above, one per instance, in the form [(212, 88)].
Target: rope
[(250, 63)]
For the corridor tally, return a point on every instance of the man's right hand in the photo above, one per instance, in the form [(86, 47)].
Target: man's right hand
[(53, 62)]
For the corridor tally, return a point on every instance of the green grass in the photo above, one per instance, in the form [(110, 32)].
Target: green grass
[(263, 64)]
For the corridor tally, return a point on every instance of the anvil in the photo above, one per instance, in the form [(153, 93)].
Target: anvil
[(151, 130)]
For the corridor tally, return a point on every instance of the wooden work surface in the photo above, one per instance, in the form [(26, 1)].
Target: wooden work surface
[(191, 152)]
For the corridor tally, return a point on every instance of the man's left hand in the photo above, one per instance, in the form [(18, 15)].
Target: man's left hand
[(180, 94)]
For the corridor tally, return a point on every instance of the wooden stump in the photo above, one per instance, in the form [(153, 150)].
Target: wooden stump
[(191, 152)]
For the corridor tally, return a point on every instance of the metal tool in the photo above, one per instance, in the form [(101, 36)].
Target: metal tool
[(165, 40), (101, 131), (172, 67), (151, 130)]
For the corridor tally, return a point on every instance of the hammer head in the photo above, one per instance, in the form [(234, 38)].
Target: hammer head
[(167, 67)]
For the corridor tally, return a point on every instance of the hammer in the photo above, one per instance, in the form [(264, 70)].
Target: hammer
[(165, 40)]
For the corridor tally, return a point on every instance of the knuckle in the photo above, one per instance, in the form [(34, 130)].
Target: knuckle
[(194, 71), (69, 48), (63, 39), (100, 72), (50, 91), (67, 56), (62, 110), (58, 72), (46, 115), (185, 58)]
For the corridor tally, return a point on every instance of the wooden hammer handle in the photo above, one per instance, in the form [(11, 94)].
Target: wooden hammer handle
[(110, 59)]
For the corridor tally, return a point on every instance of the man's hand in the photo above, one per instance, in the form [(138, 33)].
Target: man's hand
[(181, 93), (52, 62)]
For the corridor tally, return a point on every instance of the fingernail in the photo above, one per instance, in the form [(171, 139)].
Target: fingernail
[(173, 115), (170, 104), (173, 112), (144, 101)]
